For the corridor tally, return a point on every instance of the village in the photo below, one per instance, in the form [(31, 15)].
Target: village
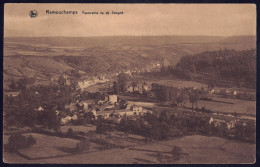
[(133, 84), (109, 105), (132, 103)]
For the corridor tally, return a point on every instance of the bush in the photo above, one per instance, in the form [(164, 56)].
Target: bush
[(70, 132), (31, 140), (16, 141)]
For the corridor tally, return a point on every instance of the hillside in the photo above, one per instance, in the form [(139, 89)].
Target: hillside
[(49, 56), (229, 65)]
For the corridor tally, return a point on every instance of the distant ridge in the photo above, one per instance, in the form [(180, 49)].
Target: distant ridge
[(129, 40), (47, 57)]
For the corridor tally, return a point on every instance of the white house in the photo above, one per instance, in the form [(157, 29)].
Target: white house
[(57, 112), (112, 98), (40, 109), (65, 120), (136, 108)]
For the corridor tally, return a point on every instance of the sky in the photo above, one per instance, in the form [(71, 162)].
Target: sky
[(137, 20)]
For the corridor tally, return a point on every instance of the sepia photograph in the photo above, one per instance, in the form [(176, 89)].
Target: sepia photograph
[(91, 83)]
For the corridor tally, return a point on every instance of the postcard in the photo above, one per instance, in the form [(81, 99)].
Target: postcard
[(88, 83)]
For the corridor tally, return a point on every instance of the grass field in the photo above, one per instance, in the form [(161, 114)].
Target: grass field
[(176, 83), (238, 106), (193, 149)]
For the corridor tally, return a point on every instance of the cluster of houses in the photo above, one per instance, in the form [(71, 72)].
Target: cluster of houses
[(233, 92), (139, 88), (107, 109), (229, 125), (82, 84)]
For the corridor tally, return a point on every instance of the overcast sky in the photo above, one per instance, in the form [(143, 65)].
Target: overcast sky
[(138, 19)]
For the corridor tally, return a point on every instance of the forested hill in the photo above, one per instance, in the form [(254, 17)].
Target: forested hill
[(231, 65)]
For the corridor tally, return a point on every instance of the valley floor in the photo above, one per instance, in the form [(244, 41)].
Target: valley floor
[(193, 149)]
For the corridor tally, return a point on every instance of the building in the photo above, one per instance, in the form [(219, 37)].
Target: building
[(130, 88), (40, 108), (112, 98), (146, 87), (136, 108), (13, 94), (71, 107), (166, 63)]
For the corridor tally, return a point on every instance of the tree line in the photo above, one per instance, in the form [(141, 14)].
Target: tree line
[(175, 95)]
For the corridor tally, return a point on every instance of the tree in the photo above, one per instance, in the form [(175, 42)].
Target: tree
[(61, 80), (211, 85), (12, 85), (89, 117), (21, 84), (52, 121), (134, 84), (83, 146), (123, 104), (194, 97), (102, 128), (185, 97), (122, 81), (173, 95), (180, 99), (115, 87)]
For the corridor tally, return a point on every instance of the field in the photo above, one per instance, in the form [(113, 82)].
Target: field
[(176, 83), (225, 105), (238, 106), (193, 149)]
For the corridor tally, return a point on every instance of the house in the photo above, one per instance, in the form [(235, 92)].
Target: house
[(103, 114), (94, 112), (166, 63), (13, 94), (136, 108), (67, 82), (71, 106), (137, 88), (74, 117), (146, 87), (86, 105), (40, 109), (57, 112), (65, 120), (100, 102), (216, 122), (231, 124), (112, 98), (211, 91), (107, 108), (228, 91), (130, 88), (211, 120)]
